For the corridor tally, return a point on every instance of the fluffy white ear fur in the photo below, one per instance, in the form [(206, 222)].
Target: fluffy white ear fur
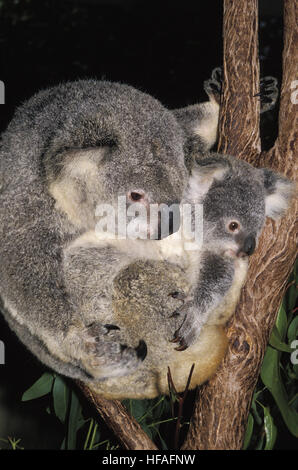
[(202, 176), (279, 192)]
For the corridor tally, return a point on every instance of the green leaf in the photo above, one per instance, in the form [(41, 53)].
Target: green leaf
[(282, 322), (61, 398), (292, 296), (248, 432), (276, 342), (270, 375), (270, 430), (41, 387), (75, 416), (259, 445), (293, 329), (137, 408)]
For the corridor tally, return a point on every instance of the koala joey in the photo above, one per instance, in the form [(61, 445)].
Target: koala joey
[(173, 295), (67, 150)]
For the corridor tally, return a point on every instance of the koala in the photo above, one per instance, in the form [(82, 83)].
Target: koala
[(175, 295), (68, 150)]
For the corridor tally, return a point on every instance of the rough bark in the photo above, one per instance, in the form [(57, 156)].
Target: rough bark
[(222, 405), (126, 428)]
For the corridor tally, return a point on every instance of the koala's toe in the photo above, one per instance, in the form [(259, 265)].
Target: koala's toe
[(268, 93)]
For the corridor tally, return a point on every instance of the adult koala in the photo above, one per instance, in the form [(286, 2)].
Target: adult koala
[(67, 150)]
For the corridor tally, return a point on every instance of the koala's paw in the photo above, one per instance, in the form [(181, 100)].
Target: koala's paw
[(189, 331), (213, 85), (268, 93), (105, 356)]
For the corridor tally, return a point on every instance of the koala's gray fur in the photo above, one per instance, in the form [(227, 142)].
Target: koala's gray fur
[(81, 144), (66, 150)]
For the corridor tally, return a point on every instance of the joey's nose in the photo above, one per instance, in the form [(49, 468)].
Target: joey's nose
[(248, 247), (137, 195)]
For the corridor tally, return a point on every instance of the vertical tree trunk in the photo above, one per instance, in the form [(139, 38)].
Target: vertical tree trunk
[(222, 406)]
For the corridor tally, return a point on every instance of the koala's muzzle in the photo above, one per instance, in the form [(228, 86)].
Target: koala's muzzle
[(248, 247)]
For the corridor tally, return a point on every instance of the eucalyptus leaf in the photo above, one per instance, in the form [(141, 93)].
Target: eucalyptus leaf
[(270, 375), (282, 322), (75, 416), (270, 430), (61, 398), (276, 342), (293, 329), (41, 387), (292, 295), (248, 432)]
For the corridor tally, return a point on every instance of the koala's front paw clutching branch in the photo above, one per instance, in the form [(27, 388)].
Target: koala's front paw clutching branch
[(215, 278)]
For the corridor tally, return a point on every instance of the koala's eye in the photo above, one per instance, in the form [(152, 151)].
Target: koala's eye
[(136, 195), (234, 226)]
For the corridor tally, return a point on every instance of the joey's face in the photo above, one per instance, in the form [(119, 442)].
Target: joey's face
[(234, 215)]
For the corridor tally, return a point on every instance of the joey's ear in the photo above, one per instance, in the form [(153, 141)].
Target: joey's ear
[(279, 191), (204, 172)]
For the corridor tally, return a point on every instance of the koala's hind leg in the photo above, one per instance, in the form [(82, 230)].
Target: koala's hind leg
[(200, 121), (103, 347)]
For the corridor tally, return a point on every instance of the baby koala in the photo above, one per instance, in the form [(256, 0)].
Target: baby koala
[(171, 293)]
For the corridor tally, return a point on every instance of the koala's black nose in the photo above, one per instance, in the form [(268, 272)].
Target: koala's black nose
[(249, 245)]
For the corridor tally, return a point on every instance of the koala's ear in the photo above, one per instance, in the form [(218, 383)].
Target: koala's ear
[(279, 192), (205, 171)]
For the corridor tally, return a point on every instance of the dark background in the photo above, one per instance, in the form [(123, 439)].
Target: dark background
[(166, 48)]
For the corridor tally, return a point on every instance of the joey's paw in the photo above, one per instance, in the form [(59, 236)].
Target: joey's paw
[(105, 357), (268, 93), (213, 86), (189, 331)]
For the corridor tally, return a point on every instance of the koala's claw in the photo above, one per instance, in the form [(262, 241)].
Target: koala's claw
[(189, 330), (268, 93), (213, 86), (178, 339)]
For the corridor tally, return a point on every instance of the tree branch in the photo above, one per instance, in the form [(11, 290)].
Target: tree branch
[(222, 406), (115, 415)]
